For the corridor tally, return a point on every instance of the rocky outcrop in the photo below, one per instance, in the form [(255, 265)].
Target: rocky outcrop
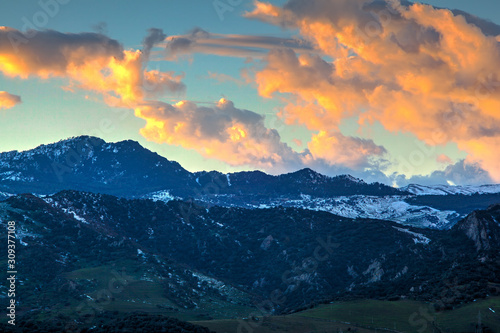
[(482, 228)]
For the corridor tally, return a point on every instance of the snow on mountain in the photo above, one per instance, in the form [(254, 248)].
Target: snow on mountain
[(450, 189), (392, 208), (5, 195), (419, 238), (164, 196)]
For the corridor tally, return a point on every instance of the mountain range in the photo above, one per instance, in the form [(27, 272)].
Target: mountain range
[(126, 169), (105, 227)]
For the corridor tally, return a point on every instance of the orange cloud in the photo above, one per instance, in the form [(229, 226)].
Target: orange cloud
[(50, 53), (8, 101), (90, 61), (237, 137), (337, 149), (412, 67)]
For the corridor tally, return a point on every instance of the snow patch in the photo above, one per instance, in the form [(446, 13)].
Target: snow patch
[(141, 254), (75, 216), (419, 238), (164, 196)]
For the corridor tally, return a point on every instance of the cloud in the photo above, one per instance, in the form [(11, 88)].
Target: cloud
[(201, 41), (51, 53), (487, 27), (336, 149), (240, 138), (405, 74), (235, 136), (154, 36), (8, 101), (411, 67), (90, 61), (462, 172), (97, 63)]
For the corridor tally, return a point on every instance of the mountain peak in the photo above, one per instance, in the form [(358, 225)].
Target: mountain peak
[(89, 163), (307, 172), (74, 141)]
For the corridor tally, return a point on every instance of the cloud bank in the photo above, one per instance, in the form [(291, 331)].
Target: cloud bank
[(411, 67)]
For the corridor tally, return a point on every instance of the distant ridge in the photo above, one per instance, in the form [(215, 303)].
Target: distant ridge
[(127, 169), (451, 189)]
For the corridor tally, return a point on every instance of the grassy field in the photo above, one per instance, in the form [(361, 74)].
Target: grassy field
[(371, 316), (289, 324), (466, 317), (115, 290), (397, 316)]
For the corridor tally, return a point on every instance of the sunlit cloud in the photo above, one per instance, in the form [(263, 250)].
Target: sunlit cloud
[(338, 149), (8, 101), (93, 62), (90, 61), (412, 67), (235, 136), (240, 138), (49, 53)]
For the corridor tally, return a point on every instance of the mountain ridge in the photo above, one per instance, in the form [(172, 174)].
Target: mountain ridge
[(127, 169), (451, 189)]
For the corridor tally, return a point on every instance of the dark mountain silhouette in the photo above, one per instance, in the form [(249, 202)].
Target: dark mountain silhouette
[(126, 169)]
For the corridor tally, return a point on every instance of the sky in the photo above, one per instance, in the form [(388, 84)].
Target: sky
[(391, 91)]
